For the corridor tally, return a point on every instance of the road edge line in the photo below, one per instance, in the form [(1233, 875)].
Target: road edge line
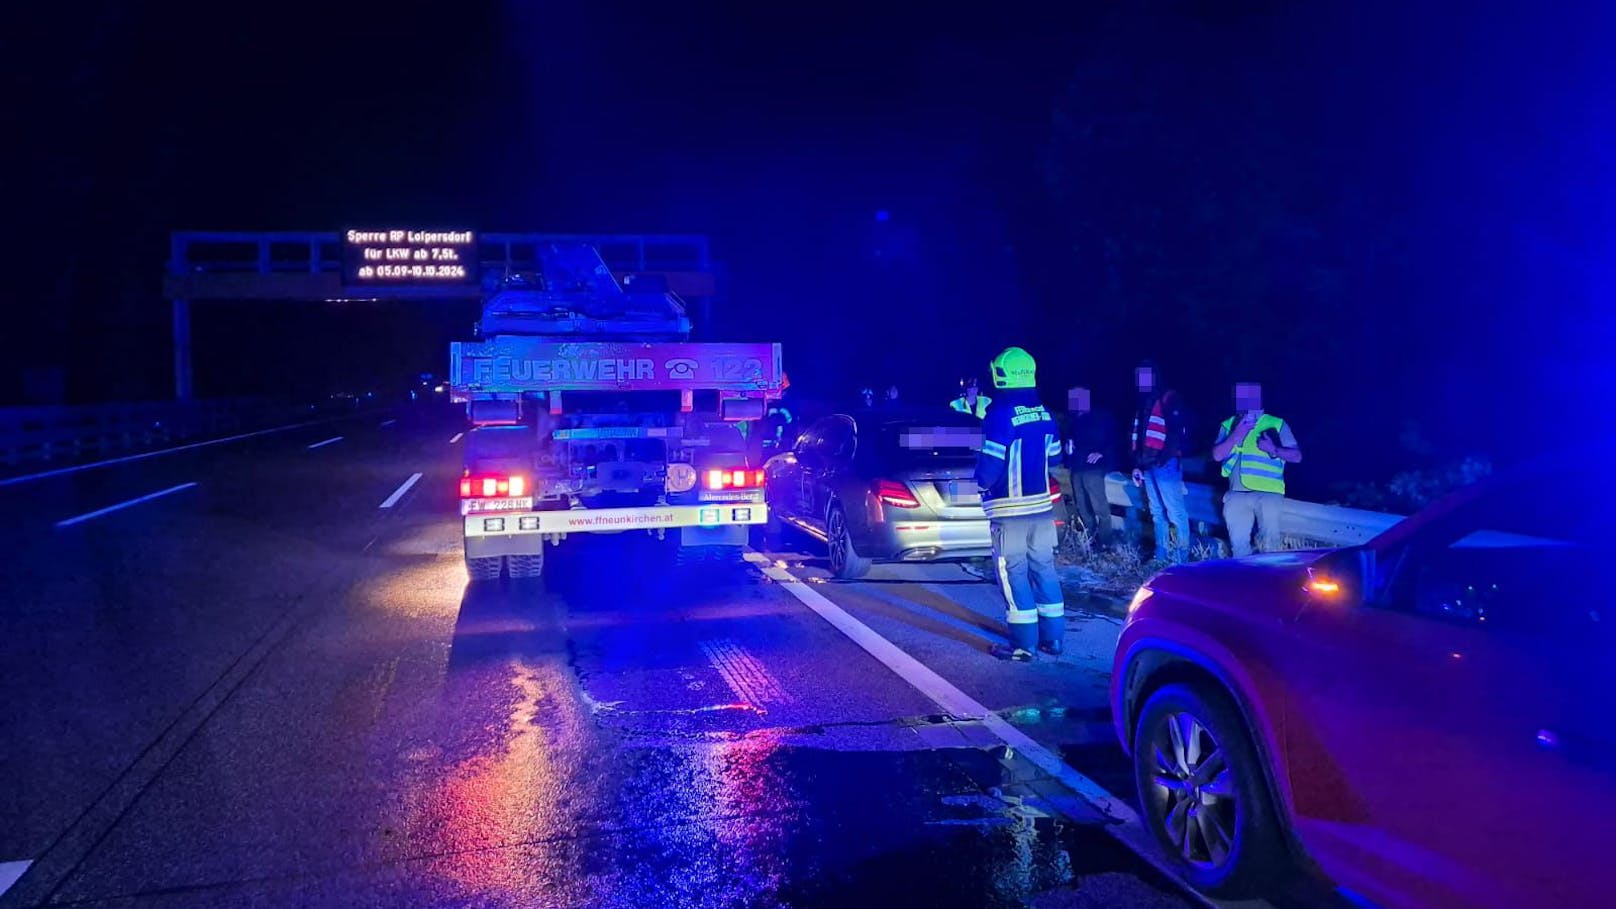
[(80, 519), (1125, 825), (75, 468), (12, 872)]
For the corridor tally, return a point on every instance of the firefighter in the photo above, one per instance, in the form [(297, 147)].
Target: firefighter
[(970, 400), (1019, 445), (778, 420)]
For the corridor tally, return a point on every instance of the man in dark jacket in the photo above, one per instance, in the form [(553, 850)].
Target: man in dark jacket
[(1091, 453), (1157, 442), (1019, 445)]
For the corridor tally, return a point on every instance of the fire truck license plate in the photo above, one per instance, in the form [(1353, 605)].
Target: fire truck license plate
[(483, 506)]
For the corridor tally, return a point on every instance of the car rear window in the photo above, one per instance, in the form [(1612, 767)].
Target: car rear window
[(922, 443)]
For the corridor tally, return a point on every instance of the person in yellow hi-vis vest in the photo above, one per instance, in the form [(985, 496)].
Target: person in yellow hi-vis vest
[(1254, 448), (971, 400)]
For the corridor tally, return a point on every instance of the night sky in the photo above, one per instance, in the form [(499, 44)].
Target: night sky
[(1405, 212)]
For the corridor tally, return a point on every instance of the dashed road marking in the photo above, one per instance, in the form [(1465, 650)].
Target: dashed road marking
[(10, 873), (1125, 823), (399, 492), (387, 423), (69, 522), (457, 437), (325, 443)]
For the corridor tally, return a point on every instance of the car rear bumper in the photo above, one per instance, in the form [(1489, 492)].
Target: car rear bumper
[(930, 540)]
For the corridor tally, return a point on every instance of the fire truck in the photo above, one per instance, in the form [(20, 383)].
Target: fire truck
[(592, 412)]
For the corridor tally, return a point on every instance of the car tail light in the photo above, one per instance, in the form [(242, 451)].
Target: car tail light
[(734, 478), (489, 487), (1054, 490), (890, 492)]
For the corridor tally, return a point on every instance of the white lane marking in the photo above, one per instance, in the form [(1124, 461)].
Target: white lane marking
[(457, 437), (122, 505), (399, 492), (325, 443), (387, 423), (1126, 826), (11, 872), (63, 471)]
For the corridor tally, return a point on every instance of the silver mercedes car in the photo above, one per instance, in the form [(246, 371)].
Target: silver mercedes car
[(883, 486)]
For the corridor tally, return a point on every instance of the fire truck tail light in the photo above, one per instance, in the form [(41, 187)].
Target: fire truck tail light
[(492, 487), (734, 478)]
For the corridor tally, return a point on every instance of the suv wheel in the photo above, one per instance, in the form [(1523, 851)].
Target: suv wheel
[(1203, 794)]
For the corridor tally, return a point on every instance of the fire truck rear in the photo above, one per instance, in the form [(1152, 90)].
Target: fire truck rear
[(593, 412)]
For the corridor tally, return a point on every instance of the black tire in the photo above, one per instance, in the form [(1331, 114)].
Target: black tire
[(708, 557), (845, 562), (525, 567), (1231, 805), (485, 569)]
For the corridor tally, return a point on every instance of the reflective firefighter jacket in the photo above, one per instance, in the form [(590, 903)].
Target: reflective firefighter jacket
[(1019, 445)]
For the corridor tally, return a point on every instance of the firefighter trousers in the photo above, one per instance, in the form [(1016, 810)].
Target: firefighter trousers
[(1024, 561)]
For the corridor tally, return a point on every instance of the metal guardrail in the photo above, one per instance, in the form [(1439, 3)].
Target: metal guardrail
[(30, 435), (1303, 524)]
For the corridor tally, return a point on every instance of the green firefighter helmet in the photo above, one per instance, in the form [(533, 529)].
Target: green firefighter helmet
[(1014, 369)]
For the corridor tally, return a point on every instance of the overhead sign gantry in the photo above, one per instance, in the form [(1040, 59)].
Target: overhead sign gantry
[(380, 263)]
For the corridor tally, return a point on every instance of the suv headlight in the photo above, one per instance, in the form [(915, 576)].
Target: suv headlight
[(1139, 597)]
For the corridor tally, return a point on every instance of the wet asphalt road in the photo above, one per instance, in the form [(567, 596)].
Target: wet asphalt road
[(266, 690)]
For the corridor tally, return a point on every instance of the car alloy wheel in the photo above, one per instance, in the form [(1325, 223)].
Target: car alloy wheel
[(845, 562), (839, 542), (1204, 793), (1194, 794)]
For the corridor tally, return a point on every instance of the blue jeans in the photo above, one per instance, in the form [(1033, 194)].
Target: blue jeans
[(1024, 562), (1164, 490)]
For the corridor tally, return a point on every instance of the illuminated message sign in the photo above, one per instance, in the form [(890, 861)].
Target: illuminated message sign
[(421, 257)]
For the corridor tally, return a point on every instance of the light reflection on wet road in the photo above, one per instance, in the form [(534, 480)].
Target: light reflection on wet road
[(619, 736)]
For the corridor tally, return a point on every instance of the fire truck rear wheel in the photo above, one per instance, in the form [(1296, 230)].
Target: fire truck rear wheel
[(485, 569), (525, 566)]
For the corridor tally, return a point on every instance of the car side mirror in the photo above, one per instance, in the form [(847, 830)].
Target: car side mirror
[(1340, 576)]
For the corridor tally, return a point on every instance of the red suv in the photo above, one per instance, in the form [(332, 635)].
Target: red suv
[(1426, 720)]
